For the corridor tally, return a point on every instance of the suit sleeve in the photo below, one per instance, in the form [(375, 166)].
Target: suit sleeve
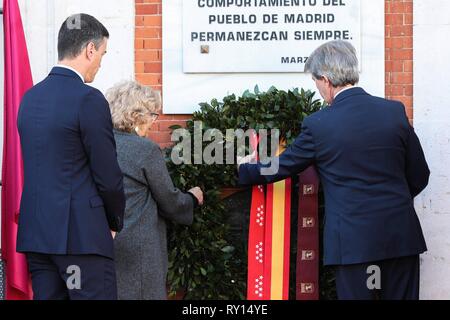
[(173, 204), (417, 171), (99, 144), (296, 158)]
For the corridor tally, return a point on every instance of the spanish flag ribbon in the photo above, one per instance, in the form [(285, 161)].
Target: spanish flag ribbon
[(269, 240)]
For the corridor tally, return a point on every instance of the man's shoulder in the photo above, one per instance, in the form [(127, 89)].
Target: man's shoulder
[(330, 113), (36, 90), (87, 89), (385, 101), (50, 86), (392, 108), (90, 97), (363, 97), (317, 117)]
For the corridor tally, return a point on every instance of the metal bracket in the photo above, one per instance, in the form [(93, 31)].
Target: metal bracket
[(308, 255), (308, 222), (307, 288), (308, 189)]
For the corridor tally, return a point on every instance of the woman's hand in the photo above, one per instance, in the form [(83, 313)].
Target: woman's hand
[(198, 193)]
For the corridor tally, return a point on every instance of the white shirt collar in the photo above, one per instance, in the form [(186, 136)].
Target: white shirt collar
[(71, 69)]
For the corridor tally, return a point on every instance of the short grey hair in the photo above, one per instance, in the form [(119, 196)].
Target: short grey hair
[(335, 60), (131, 104)]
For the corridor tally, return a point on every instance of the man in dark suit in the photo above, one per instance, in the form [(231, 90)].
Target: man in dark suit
[(73, 200), (371, 166)]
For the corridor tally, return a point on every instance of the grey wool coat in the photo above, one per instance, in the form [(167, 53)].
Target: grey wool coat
[(151, 198)]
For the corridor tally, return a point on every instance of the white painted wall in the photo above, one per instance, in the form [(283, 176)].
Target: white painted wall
[(43, 18), (432, 123), (182, 92)]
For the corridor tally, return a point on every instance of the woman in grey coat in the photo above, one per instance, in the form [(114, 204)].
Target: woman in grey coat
[(151, 198)]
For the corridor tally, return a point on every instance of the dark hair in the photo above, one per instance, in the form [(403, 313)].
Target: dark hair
[(76, 32)]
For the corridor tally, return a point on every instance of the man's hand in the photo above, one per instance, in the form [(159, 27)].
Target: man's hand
[(113, 234), (198, 193), (246, 159)]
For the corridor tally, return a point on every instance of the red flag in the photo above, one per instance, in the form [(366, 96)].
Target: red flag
[(18, 80)]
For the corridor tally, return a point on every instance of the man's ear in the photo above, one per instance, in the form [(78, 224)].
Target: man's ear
[(90, 49)]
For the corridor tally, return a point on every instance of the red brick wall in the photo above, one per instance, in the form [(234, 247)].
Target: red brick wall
[(148, 62), (399, 56), (399, 52)]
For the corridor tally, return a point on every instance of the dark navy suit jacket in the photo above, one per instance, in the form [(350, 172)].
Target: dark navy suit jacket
[(73, 186), (371, 166)]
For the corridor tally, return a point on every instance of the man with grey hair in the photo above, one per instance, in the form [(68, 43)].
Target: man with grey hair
[(371, 166)]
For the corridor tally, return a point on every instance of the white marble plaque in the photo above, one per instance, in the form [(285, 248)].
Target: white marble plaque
[(263, 35)]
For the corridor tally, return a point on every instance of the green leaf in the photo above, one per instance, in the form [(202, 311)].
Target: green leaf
[(228, 249)]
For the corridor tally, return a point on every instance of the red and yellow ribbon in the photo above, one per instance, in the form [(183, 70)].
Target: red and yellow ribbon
[(269, 241)]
